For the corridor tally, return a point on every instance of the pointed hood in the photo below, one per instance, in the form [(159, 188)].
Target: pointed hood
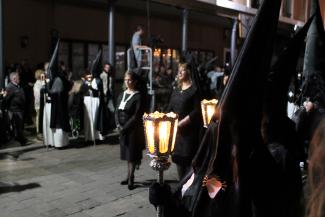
[(242, 101), (314, 61), (249, 72), (52, 70), (96, 68), (282, 71)]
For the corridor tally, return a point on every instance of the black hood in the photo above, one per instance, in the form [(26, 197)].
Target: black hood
[(314, 61), (96, 66), (281, 73), (53, 70), (242, 101)]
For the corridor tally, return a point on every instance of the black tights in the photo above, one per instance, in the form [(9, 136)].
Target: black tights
[(131, 169)]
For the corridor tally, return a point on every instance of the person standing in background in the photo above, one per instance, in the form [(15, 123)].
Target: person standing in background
[(128, 117), (59, 122), (107, 79), (185, 102), (136, 43), (14, 97), (39, 76), (27, 83)]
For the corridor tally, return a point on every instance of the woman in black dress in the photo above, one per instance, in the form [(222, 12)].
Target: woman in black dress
[(185, 102), (128, 117)]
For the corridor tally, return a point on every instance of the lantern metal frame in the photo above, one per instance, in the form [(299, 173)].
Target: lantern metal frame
[(160, 161)]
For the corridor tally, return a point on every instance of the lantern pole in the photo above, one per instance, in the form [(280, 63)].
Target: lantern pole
[(161, 182), (160, 164), (160, 161), (161, 177)]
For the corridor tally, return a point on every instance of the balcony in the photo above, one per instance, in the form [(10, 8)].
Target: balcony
[(294, 12)]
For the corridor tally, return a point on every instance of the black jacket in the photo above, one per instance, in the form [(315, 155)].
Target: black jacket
[(15, 98)]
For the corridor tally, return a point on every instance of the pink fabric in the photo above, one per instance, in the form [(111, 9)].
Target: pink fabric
[(213, 186)]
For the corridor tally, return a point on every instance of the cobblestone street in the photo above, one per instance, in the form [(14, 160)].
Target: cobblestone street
[(76, 182)]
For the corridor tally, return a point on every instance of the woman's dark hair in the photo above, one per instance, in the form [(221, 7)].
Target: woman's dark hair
[(316, 173), (139, 27)]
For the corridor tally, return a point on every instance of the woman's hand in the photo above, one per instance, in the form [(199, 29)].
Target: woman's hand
[(308, 106), (185, 121), (3, 93), (180, 124), (119, 129)]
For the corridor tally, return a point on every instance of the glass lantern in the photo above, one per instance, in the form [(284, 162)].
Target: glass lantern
[(208, 109)]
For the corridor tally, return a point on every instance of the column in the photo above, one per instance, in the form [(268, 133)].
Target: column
[(2, 67), (111, 32), (184, 29)]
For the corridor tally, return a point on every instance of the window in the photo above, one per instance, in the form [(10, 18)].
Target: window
[(120, 57), (287, 8), (78, 60), (64, 53)]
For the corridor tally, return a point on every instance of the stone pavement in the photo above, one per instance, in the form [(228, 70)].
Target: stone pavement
[(82, 181)]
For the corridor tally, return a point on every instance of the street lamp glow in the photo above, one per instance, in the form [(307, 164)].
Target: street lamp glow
[(160, 130)]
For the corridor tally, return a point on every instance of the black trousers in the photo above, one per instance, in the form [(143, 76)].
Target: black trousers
[(17, 123)]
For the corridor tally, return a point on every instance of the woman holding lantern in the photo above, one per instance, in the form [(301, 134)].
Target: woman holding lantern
[(128, 117), (185, 102)]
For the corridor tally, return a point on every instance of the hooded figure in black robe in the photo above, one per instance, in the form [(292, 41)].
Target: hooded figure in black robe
[(101, 115), (59, 93), (313, 89), (59, 87), (314, 61), (279, 132), (237, 165)]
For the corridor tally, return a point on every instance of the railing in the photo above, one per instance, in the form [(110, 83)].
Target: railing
[(146, 65)]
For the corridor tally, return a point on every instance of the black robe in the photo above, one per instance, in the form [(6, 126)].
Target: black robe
[(102, 113), (59, 93)]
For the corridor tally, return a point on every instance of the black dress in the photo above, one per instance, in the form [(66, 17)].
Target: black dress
[(186, 102), (132, 132)]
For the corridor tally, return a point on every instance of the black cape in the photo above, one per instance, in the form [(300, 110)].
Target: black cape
[(59, 93)]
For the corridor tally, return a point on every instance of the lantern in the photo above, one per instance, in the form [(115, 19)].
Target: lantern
[(208, 108), (160, 131)]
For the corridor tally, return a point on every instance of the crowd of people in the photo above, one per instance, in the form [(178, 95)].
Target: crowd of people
[(56, 105)]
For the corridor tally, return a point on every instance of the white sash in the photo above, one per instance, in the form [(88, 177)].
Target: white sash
[(124, 101)]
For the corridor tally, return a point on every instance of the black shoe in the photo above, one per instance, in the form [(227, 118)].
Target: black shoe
[(131, 187), (124, 182), (131, 183)]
